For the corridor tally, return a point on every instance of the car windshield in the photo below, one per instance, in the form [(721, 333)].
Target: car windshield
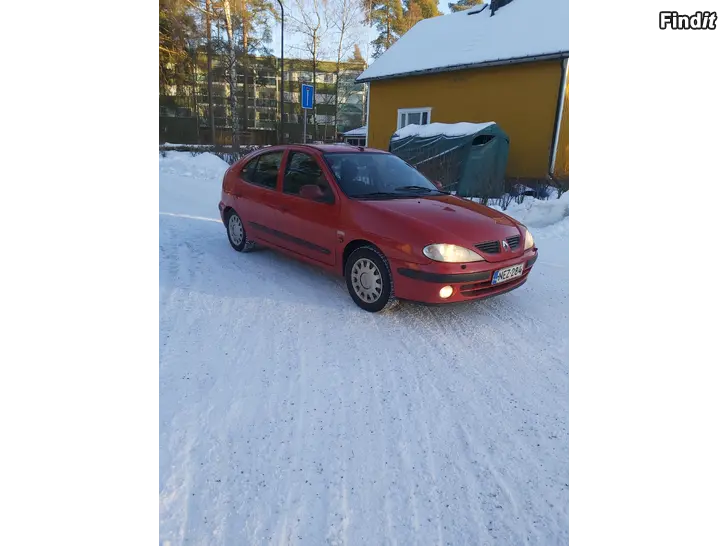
[(376, 175)]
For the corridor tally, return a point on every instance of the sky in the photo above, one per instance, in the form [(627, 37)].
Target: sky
[(293, 43)]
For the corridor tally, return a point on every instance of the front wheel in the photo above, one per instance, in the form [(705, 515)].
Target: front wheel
[(369, 280)]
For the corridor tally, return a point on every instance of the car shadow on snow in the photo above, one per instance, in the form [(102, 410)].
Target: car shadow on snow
[(196, 256)]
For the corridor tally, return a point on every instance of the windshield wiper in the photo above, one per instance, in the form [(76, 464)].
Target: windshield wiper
[(415, 188), (376, 194)]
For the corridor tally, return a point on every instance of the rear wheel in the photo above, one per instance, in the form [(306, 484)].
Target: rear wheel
[(236, 233), (369, 280)]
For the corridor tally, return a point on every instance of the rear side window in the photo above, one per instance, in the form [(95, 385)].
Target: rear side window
[(265, 171), (249, 170)]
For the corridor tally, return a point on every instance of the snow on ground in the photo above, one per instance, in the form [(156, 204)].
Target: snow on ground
[(290, 416), (540, 214)]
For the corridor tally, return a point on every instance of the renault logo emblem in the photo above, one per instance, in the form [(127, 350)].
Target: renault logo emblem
[(506, 247)]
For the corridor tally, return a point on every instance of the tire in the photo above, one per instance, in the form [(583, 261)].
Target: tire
[(237, 236), (369, 280)]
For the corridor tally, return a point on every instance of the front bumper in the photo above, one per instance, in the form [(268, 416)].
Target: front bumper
[(422, 283)]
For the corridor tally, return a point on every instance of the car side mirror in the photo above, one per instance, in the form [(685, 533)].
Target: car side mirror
[(313, 192)]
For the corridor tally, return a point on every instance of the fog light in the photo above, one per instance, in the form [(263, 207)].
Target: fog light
[(445, 292)]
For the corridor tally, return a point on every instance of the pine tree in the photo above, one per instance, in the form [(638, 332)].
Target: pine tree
[(462, 5), (177, 32), (232, 74), (253, 19), (416, 10), (208, 46), (388, 18), (427, 7), (357, 56), (412, 15)]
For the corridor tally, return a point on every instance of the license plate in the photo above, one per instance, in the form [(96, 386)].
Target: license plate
[(506, 274)]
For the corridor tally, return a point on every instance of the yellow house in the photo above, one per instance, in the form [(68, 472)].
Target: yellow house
[(505, 62)]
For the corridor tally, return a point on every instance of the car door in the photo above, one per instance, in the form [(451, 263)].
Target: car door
[(309, 218), (258, 204)]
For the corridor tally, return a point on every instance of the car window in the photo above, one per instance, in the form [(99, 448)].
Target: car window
[(304, 170), (249, 170), (365, 173), (266, 171)]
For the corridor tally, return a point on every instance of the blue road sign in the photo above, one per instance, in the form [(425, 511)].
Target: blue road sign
[(306, 96)]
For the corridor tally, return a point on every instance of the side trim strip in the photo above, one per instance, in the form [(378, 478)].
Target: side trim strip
[(291, 238)]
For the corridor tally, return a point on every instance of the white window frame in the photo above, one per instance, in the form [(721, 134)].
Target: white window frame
[(408, 111)]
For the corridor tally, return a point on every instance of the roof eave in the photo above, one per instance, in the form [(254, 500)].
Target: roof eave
[(452, 68)]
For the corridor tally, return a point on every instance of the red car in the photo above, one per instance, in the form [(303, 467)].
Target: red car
[(372, 217)]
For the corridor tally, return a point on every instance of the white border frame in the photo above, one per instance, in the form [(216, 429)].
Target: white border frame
[(401, 111)]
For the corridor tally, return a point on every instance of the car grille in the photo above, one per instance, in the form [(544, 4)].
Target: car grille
[(491, 247), (494, 247), (514, 241), (483, 288)]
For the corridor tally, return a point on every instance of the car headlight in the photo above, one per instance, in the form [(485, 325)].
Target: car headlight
[(529, 240), (450, 253)]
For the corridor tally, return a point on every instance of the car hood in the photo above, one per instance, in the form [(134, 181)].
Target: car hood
[(449, 219)]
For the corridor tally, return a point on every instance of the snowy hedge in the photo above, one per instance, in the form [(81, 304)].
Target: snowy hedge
[(223, 152)]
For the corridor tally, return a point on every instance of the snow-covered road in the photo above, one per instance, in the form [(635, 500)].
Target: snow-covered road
[(290, 416)]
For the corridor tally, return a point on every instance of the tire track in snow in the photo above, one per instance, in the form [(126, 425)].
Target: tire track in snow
[(286, 529), (339, 516), (470, 479), (433, 397), (378, 464), (434, 497)]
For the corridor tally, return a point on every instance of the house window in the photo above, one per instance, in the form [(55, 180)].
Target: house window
[(409, 116)]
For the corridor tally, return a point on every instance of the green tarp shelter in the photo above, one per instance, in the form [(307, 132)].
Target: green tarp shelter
[(467, 158)]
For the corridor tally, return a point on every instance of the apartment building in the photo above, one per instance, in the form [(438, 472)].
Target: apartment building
[(184, 108)]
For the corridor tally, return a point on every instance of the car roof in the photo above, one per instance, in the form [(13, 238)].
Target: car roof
[(343, 148), (324, 148)]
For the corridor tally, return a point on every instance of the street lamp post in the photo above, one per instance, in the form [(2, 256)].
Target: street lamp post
[(280, 138)]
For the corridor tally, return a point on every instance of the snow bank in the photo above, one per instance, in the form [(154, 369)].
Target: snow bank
[(445, 129), (523, 28), (204, 166), (172, 145), (535, 213)]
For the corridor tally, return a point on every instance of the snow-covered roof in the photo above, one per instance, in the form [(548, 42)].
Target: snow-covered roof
[(444, 129), (522, 29), (361, 131)]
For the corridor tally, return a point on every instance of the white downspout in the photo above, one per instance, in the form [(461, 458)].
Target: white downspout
[(562, 95), (369, 97)]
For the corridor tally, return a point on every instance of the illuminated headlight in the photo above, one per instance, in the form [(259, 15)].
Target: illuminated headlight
[(529, 240), (446, 292), (450, 253)]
